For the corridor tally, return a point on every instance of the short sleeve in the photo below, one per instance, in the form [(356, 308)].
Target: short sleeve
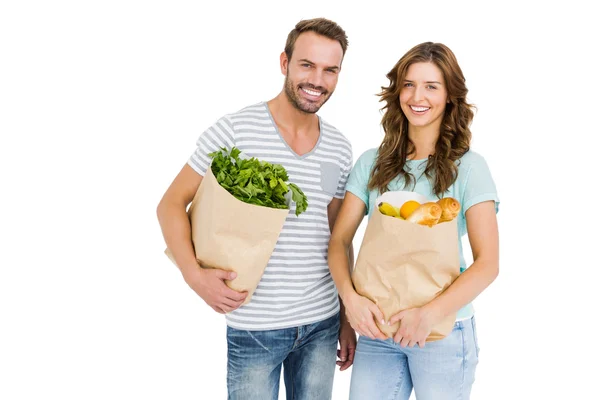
[(359, 176), (219, 135), (479, 186), (345, 173)]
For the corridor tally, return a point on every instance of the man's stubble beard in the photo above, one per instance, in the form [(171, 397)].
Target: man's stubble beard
[(298, 103)]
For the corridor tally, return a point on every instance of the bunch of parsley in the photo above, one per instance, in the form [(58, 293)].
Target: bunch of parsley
[(255, 182)]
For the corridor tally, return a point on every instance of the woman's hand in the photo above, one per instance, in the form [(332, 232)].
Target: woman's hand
[(415, 325), (361, 314)]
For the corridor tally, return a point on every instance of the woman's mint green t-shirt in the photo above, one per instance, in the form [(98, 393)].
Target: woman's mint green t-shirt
[(473, 185)]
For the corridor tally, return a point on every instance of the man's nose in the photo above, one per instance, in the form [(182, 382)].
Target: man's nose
[(317, 78)]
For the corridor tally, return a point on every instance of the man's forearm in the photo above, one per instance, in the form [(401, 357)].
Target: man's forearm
[(177, 232)]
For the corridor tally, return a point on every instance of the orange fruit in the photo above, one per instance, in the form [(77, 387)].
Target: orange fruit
[(408, 208)]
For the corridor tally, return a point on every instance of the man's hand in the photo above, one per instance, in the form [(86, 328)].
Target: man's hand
[(210, 286), (347, 345)]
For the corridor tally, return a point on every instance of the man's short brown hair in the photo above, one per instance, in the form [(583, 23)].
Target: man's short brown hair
[(321, 26)]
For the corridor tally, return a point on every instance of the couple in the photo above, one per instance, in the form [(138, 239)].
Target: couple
[(295, 318)]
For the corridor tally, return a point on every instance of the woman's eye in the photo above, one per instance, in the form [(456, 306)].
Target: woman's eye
[(408, 84)]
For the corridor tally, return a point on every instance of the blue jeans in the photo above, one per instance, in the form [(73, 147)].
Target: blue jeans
[(307, 353), (443, 369)]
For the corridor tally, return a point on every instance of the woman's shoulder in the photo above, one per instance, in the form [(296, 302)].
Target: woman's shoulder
[(368, 157), (363, 165), (471, 159)]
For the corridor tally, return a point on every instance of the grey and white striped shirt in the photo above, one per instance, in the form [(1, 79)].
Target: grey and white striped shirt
[(296, 287)]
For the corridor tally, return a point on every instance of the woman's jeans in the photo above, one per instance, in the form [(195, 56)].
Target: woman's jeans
[(443, 369), (307, 353)]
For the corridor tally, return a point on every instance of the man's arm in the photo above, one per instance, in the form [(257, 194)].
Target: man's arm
[(174, 221), (333, 210), (176, 229), (347, 336)]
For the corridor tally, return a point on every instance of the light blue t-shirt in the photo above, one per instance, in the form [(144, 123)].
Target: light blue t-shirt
[(473, 185)]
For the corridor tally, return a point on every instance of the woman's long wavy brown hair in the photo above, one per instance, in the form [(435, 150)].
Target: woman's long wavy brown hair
[(455, 135)]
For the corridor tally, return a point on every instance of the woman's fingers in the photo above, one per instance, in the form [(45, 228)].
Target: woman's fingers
[(363, 317), (405, 341), (396, 318), (365, 331), (397, 336), (377, 313)]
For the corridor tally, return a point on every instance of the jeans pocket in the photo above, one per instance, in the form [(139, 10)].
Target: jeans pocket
[(330, 175)]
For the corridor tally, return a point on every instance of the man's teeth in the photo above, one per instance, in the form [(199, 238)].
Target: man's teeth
[(312, 92), (419, 109)]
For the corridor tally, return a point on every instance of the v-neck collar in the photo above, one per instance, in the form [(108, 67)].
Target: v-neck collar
[(298, 156)]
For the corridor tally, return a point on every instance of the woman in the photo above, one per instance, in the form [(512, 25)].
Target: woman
[(425, 150)]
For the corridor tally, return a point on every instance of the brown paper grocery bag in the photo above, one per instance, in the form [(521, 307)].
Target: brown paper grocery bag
[(232, 235), (403, 265)]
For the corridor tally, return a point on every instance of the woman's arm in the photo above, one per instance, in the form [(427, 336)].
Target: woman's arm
[(482, 228), (359, 310)]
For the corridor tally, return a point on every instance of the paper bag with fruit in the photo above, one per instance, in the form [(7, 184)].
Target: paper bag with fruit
[(237, 214), (409, 255)]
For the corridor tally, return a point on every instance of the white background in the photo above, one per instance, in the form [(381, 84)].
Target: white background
[(101, 104)]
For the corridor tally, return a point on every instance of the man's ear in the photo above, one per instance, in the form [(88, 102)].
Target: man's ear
[(283, 63)]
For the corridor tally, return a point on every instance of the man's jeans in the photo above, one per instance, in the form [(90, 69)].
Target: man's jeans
[(308, 355), (443, 369)]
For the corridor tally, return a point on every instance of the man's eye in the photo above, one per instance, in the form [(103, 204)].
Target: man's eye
[(305, 65)]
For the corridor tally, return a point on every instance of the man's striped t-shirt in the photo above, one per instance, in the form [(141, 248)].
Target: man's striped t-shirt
[(296, 287)]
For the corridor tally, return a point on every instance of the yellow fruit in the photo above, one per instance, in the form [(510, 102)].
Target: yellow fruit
[(388, 209), (408, 208)]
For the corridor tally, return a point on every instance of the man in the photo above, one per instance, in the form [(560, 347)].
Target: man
[(293, 318)]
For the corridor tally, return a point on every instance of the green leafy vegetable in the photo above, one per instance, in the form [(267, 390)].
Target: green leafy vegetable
[(255, 182)]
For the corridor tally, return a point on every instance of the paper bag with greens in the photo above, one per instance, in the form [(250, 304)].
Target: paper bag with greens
[(237, 214)]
